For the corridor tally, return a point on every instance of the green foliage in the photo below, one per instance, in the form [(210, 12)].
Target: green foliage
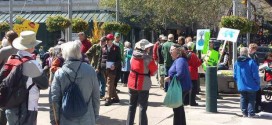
[(240, 23), (79, 25), (4, 26), (57, 23), (116, 27), (19, 20)]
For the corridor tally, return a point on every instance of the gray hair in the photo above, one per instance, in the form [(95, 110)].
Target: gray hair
[(170, 37), (71, 50), (127, 44), (244, 51)]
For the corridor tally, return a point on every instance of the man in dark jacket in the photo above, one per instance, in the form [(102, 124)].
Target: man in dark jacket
[(253, 55), (94, 56), (111, 59), (246, 75)]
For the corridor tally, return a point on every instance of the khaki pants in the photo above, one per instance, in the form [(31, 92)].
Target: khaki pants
[(111, 90)]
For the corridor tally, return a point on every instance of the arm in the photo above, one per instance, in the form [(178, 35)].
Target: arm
[(96, 97), (152, 67), (118, 57), (226, 59), (155, 56), (90, 53), (255, 71), (56, 99), (180, 67), (41, 81)]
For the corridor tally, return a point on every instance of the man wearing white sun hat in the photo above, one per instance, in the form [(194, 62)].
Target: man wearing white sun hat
[(26, 114)]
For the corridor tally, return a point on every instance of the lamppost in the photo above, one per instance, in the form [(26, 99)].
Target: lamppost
[(234, 43), (70, 13), (11, 14)]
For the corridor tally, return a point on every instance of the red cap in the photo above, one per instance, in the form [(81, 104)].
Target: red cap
[(110, 37)]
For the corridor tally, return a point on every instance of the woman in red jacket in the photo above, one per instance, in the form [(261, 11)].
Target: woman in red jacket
[(194, 62), (139, 81)]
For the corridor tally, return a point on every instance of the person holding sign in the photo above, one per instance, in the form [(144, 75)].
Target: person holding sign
[(224, 62)]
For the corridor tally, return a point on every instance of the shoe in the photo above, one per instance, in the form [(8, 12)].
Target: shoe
[(117, 90), (108, 103), (244, 116), (195, 104), (103, 98), (219, 97), (124, 85), (197, 98), (253, 116), (115, 101)]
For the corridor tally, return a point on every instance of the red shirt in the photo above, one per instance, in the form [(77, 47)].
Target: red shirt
[(194, 62), (268, 76), (155, 51), (85, 46)]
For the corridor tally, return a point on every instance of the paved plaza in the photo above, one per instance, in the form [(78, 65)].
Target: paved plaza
[(228, 111)]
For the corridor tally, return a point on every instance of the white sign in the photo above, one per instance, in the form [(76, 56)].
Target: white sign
[(200, 39), (228, 34)]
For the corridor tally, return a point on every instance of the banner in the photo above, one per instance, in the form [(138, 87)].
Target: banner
[(200, 39), (206, 43), (211, 59), (25, 25), (228, 34)]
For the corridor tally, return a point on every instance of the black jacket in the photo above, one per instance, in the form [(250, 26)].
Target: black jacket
[(114, 55)]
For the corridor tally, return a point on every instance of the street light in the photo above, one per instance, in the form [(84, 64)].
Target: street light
[(11, 14)]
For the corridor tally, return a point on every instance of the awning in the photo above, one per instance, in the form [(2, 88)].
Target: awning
[(40, 17)]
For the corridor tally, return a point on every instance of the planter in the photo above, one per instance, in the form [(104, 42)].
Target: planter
[(4, 26), (79, 25), (57, 23)]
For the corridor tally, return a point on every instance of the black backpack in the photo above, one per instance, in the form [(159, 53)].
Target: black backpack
[(73, 103), (13, 91)]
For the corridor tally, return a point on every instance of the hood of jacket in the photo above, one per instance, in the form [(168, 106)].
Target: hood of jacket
[(243, 59)]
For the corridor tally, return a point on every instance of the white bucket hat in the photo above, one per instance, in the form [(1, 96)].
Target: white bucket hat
[(27, 40), (143, 44)]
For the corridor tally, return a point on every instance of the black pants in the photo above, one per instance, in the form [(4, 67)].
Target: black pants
[(258, 101), (125, 77), (117, 76), (136, 97), (179, 116), (193, 92), (3, 119)]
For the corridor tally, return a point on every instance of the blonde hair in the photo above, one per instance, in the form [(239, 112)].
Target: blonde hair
[(253, 46), (71, 50), (127, 44), (244, 51), (188, 39)]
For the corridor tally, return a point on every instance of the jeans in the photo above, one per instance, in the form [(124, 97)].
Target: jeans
[(3, 119), (247, 101), (166, 83), (102, 82), (125, 77), (258, 104), (136, 97), (193, 92)]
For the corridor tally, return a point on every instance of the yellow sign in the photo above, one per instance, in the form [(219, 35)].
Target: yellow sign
[(26, 25)]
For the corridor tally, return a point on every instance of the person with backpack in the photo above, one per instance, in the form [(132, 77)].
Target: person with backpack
[(75, 90), (143, 66), (5, 52), (24, 78)]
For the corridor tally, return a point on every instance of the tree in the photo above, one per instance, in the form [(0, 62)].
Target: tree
[(154, 13)]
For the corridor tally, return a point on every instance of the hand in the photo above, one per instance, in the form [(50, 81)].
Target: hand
[(112, 67), (166, 79), (96, 70)]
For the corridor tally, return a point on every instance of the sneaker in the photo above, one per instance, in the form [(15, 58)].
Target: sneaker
[(253, 116), (108, 103), (117, 90)]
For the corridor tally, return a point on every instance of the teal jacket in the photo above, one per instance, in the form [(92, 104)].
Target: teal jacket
[(166, 54)]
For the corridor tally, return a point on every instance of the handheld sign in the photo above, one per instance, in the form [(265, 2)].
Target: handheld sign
[(201, 37), (228, 34)]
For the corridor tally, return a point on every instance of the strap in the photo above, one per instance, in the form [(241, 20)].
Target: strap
[(137, 73), (29, 87), (73, 71)]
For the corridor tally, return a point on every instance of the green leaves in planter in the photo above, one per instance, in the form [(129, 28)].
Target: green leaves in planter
[(116, 27), (4, 26), (79, 25), (240, 23), (57, 23)]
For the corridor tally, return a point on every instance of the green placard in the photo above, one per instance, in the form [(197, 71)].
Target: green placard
[(213, 58), (206, 43)]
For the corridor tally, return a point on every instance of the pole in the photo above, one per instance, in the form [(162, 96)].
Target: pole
[(11, 14), (211, 89), (70, 13), (248, 17), (223, 50), (234, 57), (117, 10)]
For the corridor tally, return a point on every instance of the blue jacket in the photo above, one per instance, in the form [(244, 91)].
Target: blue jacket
[(180, 69), (246, 74)]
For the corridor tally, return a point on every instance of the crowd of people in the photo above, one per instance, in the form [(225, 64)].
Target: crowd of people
[(79, 73)]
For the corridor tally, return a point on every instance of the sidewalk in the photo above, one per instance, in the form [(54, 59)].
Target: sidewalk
[(228, 111)]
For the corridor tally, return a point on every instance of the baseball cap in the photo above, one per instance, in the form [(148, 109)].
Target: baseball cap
[(116, 34), (110, 37)]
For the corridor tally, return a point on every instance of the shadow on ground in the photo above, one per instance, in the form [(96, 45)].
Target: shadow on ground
[(103, 120)]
